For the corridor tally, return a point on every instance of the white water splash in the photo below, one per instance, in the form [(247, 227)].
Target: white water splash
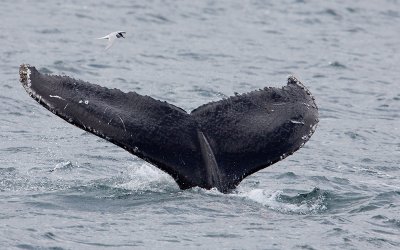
[(144, 177), (272, 200), (67, 165)]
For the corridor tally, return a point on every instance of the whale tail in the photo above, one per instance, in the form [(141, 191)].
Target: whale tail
[(216, 145)]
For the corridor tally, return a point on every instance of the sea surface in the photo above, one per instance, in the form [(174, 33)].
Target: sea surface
[(63, 188)]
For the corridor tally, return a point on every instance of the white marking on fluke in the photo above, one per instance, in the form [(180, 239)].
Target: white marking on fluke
[(122, 122), (28, 77), (296, 122), (112, 37), (25, 76), (56, 96)]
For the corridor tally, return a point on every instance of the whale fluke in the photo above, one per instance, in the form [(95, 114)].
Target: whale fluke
[(215, 146)]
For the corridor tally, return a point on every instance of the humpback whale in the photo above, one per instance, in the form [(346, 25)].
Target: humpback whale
[(216, 145)]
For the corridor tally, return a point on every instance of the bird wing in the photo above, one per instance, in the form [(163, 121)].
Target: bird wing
[(111, 40), (104, 37)]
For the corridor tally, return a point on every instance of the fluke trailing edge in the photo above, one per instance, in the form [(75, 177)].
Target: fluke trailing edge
[(216, 145)]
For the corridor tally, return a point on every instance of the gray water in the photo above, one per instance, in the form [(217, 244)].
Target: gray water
[(62, 188)]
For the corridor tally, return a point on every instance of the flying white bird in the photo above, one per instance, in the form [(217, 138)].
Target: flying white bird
[(111, 38)]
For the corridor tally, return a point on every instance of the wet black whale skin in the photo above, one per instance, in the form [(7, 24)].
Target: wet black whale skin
[(215, 146)]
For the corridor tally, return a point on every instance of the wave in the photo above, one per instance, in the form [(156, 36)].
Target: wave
[(302, 203)]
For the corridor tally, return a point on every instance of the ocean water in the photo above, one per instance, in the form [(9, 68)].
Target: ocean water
[(62, 188)]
